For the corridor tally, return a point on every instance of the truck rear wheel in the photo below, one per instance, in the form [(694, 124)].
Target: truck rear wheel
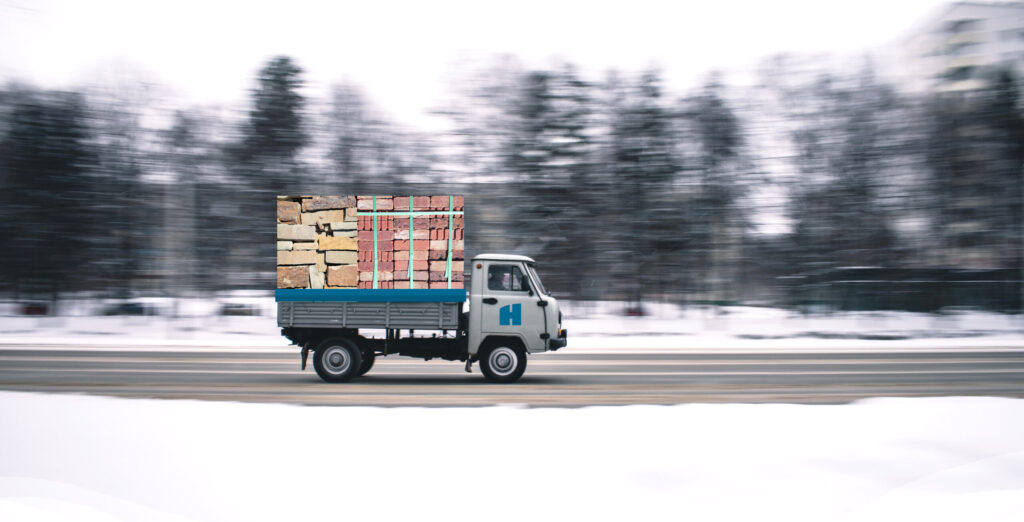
[(337, 360), (503, 363)]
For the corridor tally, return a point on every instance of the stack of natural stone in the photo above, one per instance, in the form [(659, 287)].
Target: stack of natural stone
[(316, 242), (328, 242)]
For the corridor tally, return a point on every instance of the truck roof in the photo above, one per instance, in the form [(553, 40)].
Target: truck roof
[(503, 257)]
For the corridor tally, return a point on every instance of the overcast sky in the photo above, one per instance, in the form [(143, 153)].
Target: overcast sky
[(403, 53)]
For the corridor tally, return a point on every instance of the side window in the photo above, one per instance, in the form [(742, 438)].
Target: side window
[(506, 278)]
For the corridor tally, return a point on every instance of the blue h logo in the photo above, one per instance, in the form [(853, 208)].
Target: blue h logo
[(511, 315)]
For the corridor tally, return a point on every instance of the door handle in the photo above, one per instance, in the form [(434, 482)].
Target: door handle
[(490, 300)]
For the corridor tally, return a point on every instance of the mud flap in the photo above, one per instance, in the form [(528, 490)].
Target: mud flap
[(305, 356)]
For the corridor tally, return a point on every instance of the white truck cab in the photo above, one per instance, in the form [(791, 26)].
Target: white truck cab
[(511, 314)]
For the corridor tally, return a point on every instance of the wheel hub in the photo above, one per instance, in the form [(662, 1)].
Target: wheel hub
[(503, 361)]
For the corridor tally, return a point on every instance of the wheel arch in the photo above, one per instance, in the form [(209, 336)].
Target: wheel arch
[(499, 340)]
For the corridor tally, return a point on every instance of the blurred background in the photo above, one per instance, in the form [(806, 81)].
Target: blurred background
[(694, 157)]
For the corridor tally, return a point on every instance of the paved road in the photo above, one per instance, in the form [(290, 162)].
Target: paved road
[(559, 379)]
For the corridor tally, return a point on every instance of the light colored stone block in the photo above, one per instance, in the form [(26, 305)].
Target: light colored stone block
[(296, 257), (284, 245), (341, 257), (304, 245), (322, 217), (343, 276), (338, 243), (343, 225), (316, 278), (296, 233)]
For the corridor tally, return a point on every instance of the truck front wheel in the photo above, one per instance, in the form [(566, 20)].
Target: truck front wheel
[(503, 363), (337, 360)]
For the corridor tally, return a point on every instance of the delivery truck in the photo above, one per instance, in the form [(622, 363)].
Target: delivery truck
[(507, 315), (361, 277)]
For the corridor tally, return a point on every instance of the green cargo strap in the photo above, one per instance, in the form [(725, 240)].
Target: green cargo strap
[(375, 241), (451, 232), (410, 243)]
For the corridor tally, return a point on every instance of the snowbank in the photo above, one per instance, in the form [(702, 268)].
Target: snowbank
[(95, 458)]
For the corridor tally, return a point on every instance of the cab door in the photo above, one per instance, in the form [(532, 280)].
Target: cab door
[(509, 305)]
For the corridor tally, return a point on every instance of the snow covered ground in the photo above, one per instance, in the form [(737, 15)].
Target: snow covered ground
[(593, 327), (96, 459)]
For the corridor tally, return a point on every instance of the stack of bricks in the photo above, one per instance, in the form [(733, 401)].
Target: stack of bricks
[(328, 242), (433, 220)]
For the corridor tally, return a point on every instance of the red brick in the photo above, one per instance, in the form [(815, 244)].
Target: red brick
[(365, 266), (385, 266), (385, 235), (385, 203), (401, 244), (402, 223), (419, 275), (364, 203), (439, 202), (402, 275), (420, 254), (421, 203), (458, 255), (460, 202), (438, 222), (439, 284), (437, 254), (458, 222), (401, 284), (437, 276), (438, 266), (401, 255), (401, 202), (420, 264), (385, 245), (420, 222), (421, 233), (457, 276)]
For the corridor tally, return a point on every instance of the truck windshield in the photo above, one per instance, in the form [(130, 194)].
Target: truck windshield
[(536, 278)]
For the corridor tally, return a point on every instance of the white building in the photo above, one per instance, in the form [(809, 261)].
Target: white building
[(954, 48)]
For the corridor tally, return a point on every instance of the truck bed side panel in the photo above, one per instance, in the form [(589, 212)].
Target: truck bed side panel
[(402, 315)]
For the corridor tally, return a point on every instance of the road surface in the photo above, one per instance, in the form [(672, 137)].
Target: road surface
[(557, 379)]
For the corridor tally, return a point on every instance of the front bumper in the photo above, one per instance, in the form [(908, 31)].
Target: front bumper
[(560, 341)]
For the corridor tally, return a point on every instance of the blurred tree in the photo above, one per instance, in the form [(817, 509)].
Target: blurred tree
[(363, 147), (45, 165), (975, 157), (846, 140), (716, 221), (643, 155), (275, 130)]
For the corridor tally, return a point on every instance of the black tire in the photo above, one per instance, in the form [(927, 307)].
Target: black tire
[(368, 358), (337, 359), (503, 362)]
